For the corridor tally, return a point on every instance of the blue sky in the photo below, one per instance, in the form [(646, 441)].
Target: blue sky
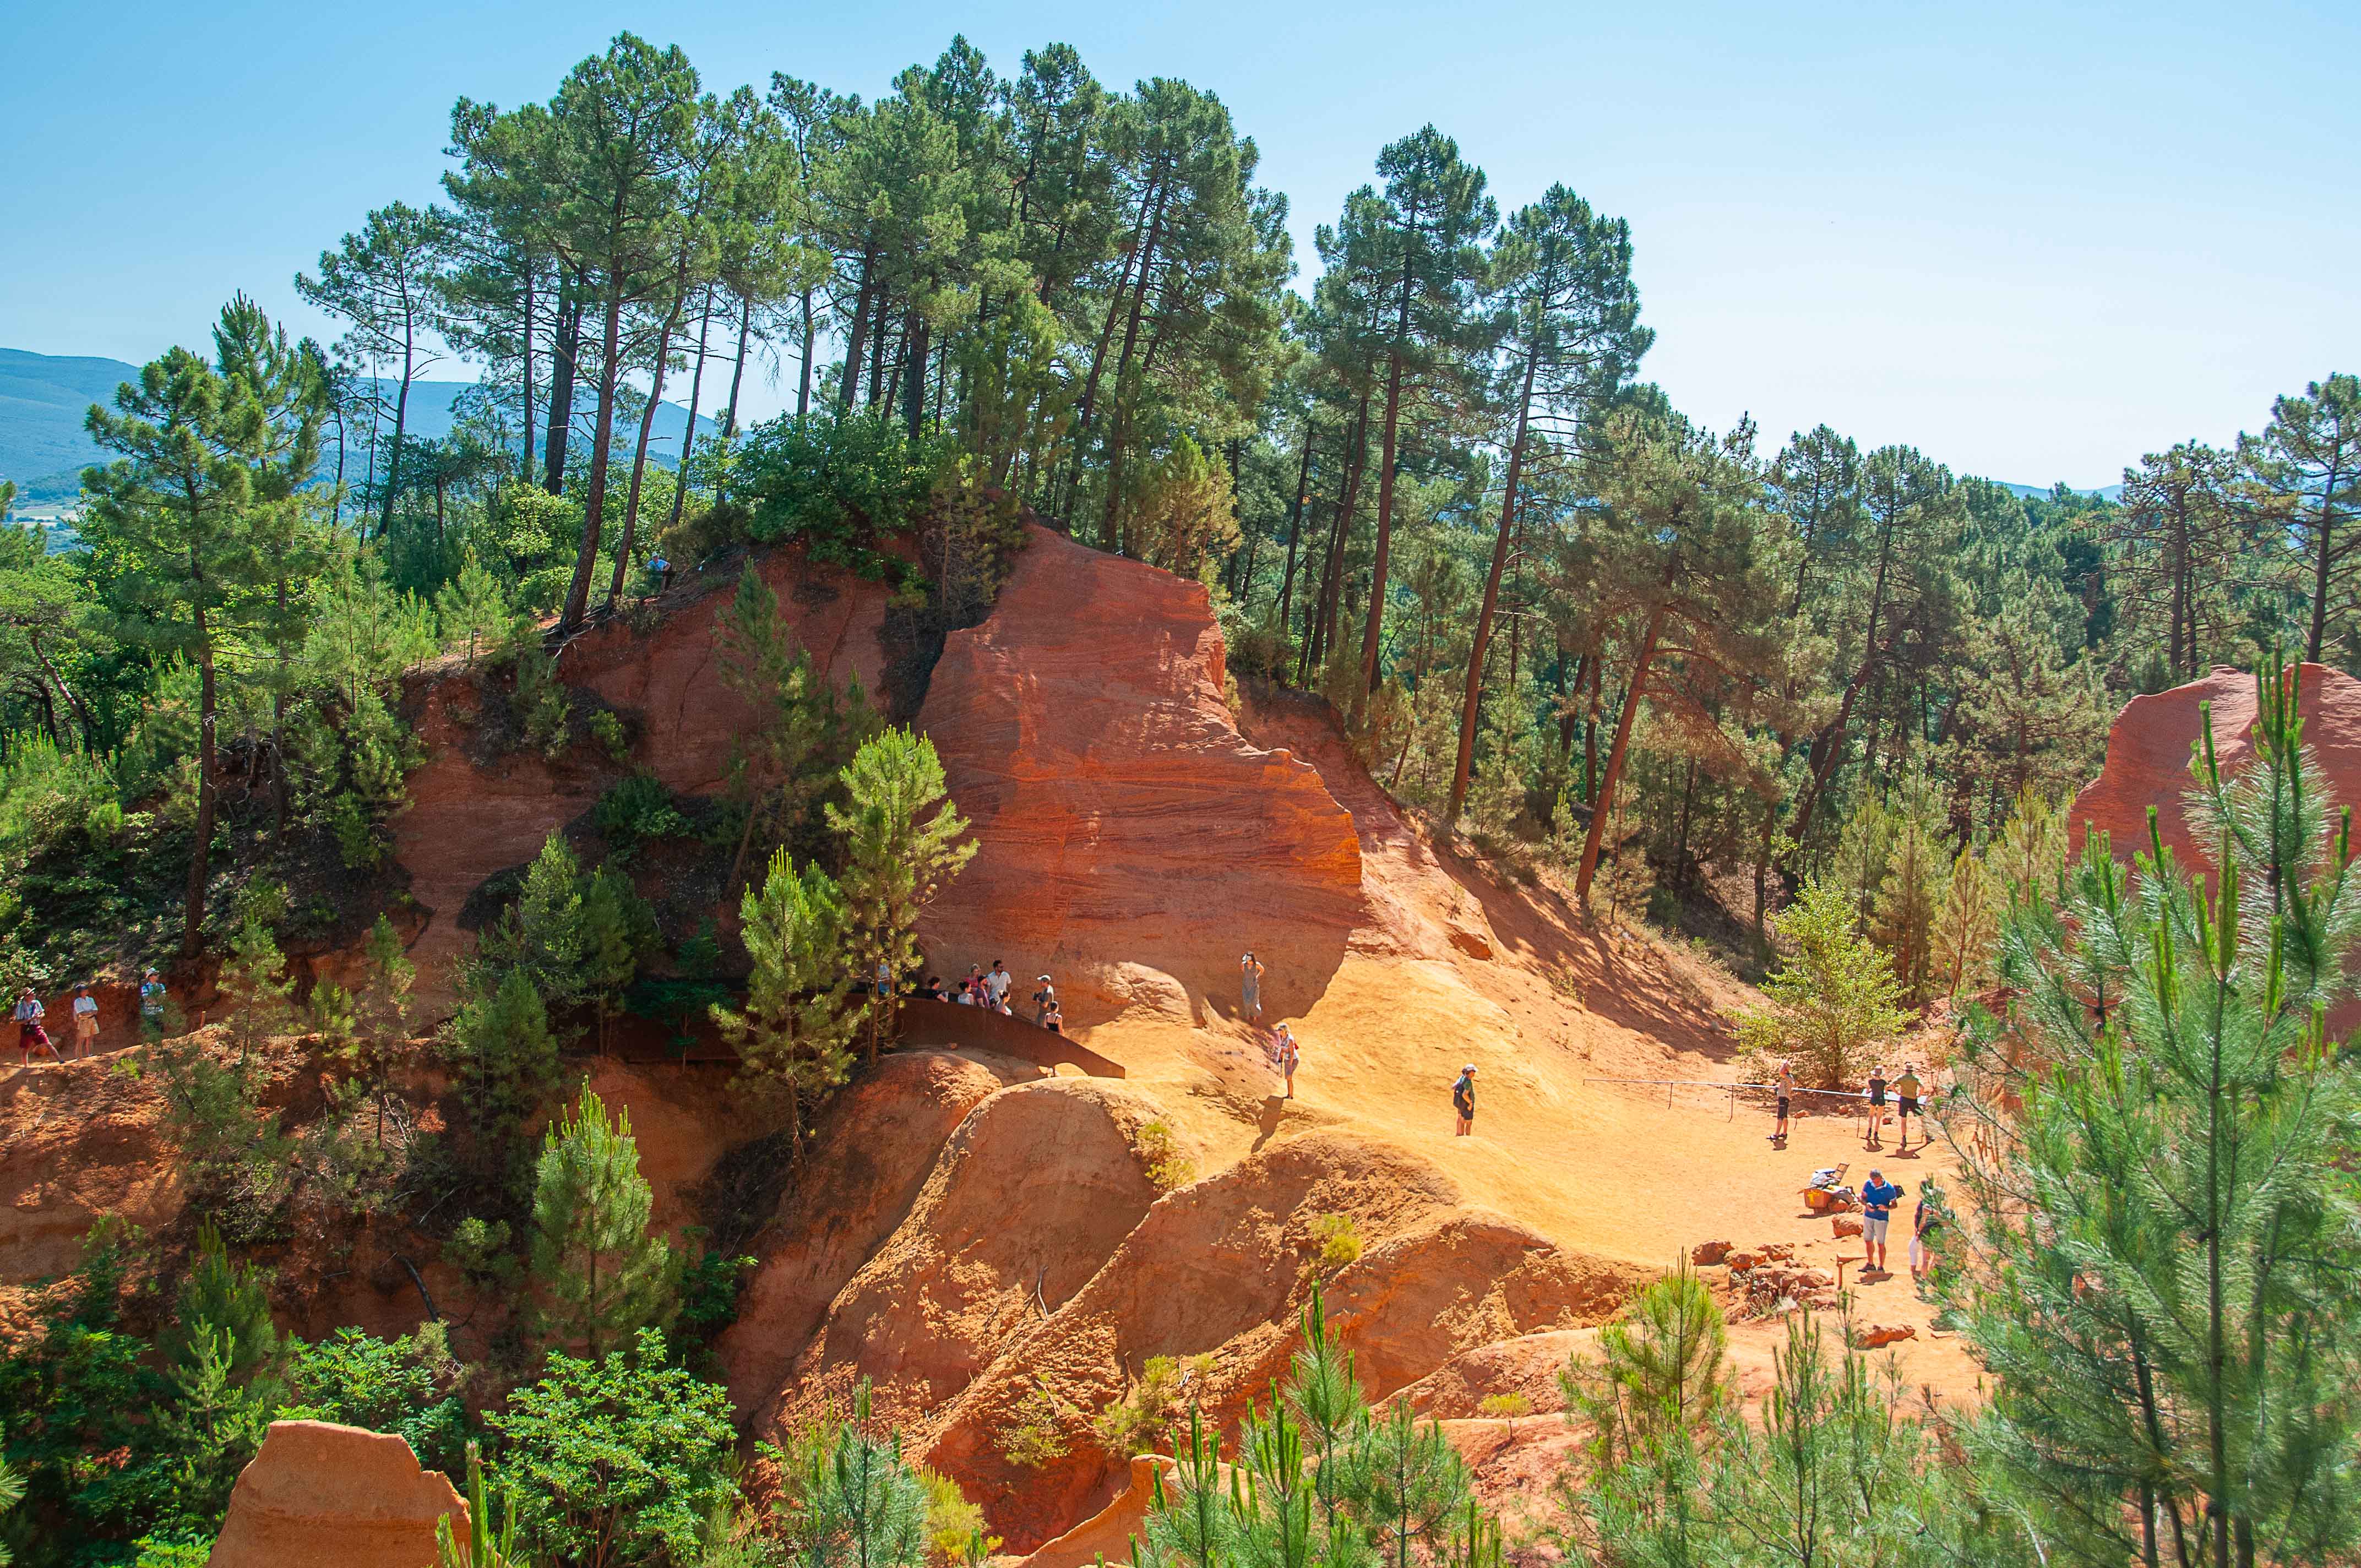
[(2034, 241)]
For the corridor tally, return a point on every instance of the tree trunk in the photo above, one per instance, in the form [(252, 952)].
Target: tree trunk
[(192, 920), (585, 560), (849, 382), (914, 390), (1615, 757), (401, 415), (803, 381), (640, 457), (696, 396), (1141, 245), (525, 342), (1294, 533), (566, 364), (2322, 555), (1474, 700), (738, 372), (1830, 748), (1115, 421)]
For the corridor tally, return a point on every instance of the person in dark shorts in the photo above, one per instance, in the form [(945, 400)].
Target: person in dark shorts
[(1784, 1082), (1045, 1002), (1926, 1219), (1462, 1099), (1876, 1105), (1906, 1105)]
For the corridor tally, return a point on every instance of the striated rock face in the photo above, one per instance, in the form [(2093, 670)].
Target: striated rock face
[(672, 677), (880, 1137), (2148, 751), (1125, 823), (325, 1495)]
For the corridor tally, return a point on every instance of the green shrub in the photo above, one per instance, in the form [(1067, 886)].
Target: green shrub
[(1160, 1153), (1339, 1239), (840, 481), (407, 1385), (1038, 1437), (635, 810)]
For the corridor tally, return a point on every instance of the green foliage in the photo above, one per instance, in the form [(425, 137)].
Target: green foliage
[(636, 810), (474, 611), (410, 1385), (608, 730), (1037, 1435), (1661, 1375), (1161, 1154), (840, 481), (802, 733), (1339, 1240), (902, 848), (2164, 1227), (501, 1050), (617, 1459), (794, 1034), (1831, 999), (1320, 1478), (1143, 1420), (541, 934), (489, 1544), (599, 1277), (222, 1304), (544, 709), (847, 1498)]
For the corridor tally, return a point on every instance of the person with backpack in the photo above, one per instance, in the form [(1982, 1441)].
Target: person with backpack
[(1462, 1099), (1926, 1219), (1878, 1197), (1045, 1002)]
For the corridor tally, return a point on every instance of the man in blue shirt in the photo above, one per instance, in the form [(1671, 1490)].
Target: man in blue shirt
[(1877, 1200)]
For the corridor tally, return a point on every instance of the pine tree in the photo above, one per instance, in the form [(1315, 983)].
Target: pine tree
[(222, 1304), (847, 1495), (1909, 899), (601, 1278), (205, 454), (617, 929), (1967, 922), (1830, 1000), (2306, 464), (473, 608), (2163, 1230), (542, 932), (1660, 1373), (501, 1046), (802, 732), (895, 863), (256, 978), (794, 1034)]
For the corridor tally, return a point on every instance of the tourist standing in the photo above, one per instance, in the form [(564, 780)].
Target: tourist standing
[(1876, 1105), (1786, 1084), (1284, 1055), (86, 1021), (1250, 989), (1462, 1099), (1045, 1002), (151, 1006), (1878, 1197), (30, 1036), (1906, 1105), (997, 983), (1926, 1219)]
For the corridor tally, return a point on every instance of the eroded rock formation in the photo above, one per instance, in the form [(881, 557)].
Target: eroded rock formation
[(322, 1496)]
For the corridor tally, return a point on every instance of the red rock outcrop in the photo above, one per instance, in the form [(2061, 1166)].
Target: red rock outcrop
[(671, 676), (880, 1139), (1133, 842), (2148, 751), (334, 1497), (1031, 1194), (1414, 1300)]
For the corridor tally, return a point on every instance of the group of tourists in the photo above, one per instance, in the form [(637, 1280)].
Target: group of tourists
[(32, 1030), (1279, 1045), (1878, 1197), (990, 991), (1905, 1088)]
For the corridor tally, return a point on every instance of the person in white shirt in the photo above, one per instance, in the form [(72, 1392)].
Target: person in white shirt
[(997, 983), (86, 1021)]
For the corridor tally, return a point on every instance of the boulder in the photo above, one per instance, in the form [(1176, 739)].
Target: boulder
[(1705, 1254), (1869, 1336), (335, 1497), (1845, 1224), (1740, 1262), (1814, 1279)]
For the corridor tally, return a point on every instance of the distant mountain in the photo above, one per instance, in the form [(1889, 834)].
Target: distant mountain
[(44, 398), (2111, 493)]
